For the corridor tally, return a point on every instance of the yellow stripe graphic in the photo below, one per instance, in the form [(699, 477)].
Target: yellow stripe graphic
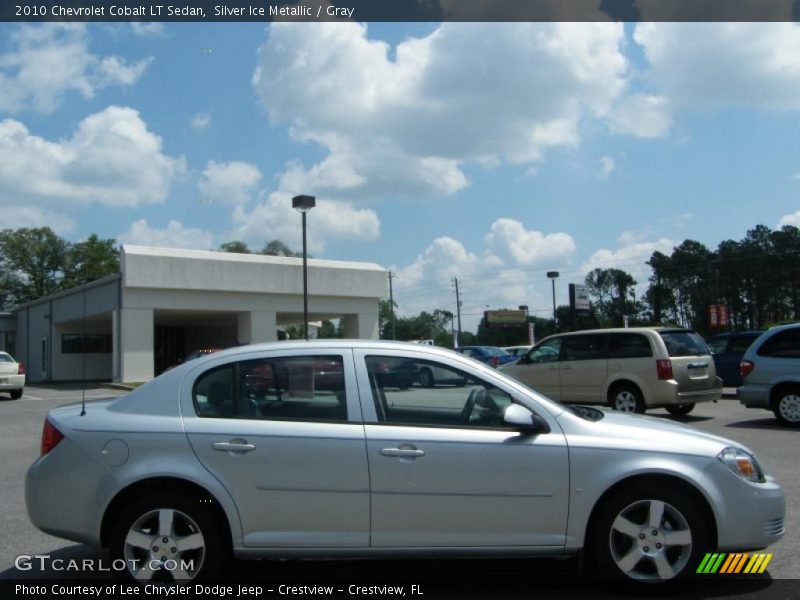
[(768, 557), (750, 564), (758, 562)]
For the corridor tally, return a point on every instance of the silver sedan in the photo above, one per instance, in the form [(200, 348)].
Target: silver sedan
[(311, 449)]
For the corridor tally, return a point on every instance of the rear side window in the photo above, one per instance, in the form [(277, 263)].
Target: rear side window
[(5, 357), (628, 345), (584, 347), (718, 345), (683, 343), (281, 389), (785, 344)]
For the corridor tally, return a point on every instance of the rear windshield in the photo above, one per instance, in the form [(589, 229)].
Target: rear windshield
[(5, 357), (683, 343)]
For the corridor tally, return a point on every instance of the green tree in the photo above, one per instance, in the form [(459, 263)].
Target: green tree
[(329, 330), (32, 262), (278, 248), (236, 247), (89, 260), (610, 291)]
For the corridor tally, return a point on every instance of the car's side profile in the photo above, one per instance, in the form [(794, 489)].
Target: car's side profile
[(630, 369), (770, 370), (194, 466)]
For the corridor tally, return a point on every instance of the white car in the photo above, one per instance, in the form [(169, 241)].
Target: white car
[(12, 376)]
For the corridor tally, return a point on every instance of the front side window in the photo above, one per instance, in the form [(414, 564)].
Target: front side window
[(546, 352), (784, 344), (280, 389), (467, 402)]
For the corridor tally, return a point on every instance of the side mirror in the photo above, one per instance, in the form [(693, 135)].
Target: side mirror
[(521, 418)]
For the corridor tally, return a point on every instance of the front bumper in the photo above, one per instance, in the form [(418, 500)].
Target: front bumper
[(749, 515)]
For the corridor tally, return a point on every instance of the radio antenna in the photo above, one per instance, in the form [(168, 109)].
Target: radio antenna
[(83, 356)]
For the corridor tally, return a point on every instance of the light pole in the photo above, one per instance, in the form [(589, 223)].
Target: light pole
[(304, 204), (552, 276)]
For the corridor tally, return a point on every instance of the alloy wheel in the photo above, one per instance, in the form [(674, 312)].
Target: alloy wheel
[(650, 540), (789, 408)]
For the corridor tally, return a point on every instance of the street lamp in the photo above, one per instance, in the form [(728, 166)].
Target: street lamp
[(304, 204), (552, 276)]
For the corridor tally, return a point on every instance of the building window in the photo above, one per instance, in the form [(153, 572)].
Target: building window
[(86, 343)]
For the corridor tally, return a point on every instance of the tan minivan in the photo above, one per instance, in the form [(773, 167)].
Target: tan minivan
[(632, 369)]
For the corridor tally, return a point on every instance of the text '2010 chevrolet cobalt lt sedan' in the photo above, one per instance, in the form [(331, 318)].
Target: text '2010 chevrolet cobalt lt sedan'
[(244, 452)]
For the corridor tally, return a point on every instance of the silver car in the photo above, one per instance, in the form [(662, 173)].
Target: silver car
[(770, 370), (255, 452)]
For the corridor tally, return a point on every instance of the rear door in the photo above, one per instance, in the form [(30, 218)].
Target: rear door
[(692, 364), (282, 432)]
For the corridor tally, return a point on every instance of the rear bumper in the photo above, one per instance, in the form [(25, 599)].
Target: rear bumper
[(12, 382), (666, 393), (754, 395)]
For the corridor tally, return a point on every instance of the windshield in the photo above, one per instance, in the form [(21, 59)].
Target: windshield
[(684, 343)]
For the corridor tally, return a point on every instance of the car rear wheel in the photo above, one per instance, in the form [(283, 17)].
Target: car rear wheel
[(426, 378), (16, 394), (168, 538), (680, 409), (649, 536), (787, 407), (626, 398)]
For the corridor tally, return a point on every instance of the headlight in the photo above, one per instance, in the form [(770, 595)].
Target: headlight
[(742, 463)]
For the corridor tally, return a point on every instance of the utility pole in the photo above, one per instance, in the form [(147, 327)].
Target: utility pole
[(391, 302), (458, 312)]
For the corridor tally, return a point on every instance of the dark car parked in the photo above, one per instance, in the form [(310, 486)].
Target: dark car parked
[(727, 350), (490, 355)]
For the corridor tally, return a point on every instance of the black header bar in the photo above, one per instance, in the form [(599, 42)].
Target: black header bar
[(398, 10)]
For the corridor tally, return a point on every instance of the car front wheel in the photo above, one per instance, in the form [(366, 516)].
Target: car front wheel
[(787, 408), (649, 536), (168, 538)]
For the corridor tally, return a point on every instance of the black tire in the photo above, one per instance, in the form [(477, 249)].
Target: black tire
[(16, 394), (626, 398), (137, 541), (426, 378), (680, 409), (786, 406), (647, 534)]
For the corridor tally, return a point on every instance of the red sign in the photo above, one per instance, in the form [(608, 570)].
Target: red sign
[(718, 315)]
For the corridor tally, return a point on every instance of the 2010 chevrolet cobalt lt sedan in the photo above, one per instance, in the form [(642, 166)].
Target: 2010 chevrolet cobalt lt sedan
[(245, 453)]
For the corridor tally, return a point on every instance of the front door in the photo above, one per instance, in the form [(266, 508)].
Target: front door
[(282, 433), (540, 368), (584, 368), (446, 472)]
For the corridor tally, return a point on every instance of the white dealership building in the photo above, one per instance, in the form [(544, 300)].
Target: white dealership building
[(164, 303)]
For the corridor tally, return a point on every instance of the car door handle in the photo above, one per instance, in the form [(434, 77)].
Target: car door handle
[(402, 452), (233, 446)]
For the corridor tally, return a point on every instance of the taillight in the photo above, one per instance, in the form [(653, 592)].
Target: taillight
[(50, 437), (664, 368), (746, 367), (494, 361), (20, 369)]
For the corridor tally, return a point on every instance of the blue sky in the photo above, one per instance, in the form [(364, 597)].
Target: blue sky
[(488, 152)]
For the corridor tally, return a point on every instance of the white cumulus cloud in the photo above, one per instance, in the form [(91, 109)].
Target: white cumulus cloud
[(47, 61), (15, 217), (790, 219), (112, 158), (174, 235), (410, 121), (329, 220), (231, 183)]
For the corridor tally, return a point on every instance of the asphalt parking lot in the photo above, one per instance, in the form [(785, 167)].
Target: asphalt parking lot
[(20, 430)]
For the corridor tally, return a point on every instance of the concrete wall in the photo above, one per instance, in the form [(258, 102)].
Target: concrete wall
[(72, 367), (208, 337)]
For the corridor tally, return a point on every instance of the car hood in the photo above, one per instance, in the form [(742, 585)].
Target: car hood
[(638, 432)]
